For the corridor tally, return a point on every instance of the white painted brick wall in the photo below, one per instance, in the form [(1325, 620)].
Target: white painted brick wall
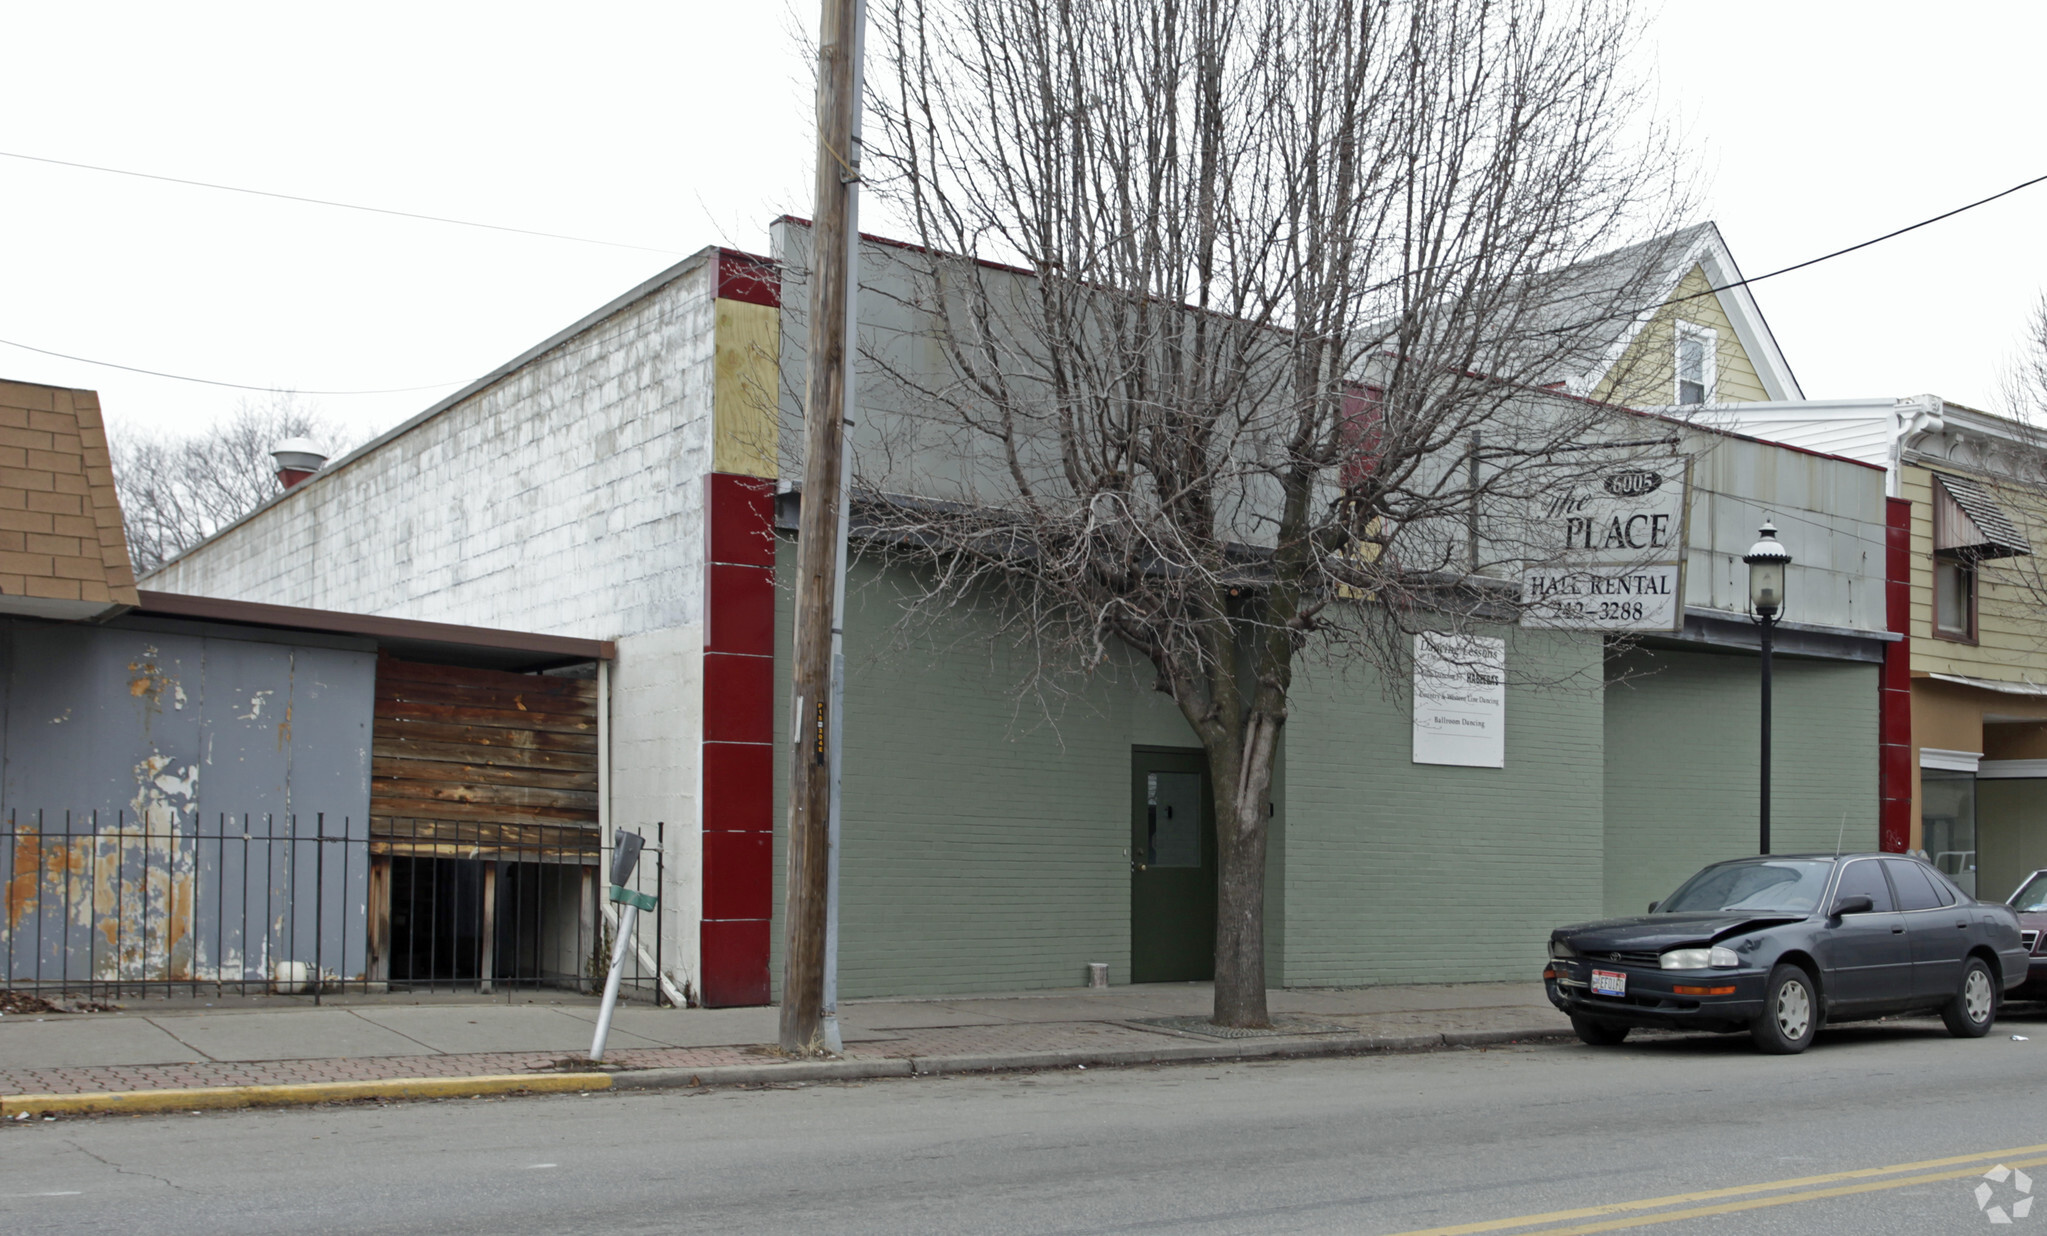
[(566, 498)]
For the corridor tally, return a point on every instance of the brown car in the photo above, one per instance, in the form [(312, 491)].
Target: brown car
[(2031, 903)]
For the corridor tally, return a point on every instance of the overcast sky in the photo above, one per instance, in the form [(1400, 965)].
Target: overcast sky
[(680, 124)]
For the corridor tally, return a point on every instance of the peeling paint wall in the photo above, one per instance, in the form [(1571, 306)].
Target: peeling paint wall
[(181, 803)]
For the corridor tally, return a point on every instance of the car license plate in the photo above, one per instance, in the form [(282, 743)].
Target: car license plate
[(1609, 983)]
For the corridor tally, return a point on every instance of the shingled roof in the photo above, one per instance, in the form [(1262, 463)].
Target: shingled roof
[(62, 552)]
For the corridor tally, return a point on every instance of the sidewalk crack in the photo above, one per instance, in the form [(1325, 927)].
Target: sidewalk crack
[(430, 1049), (182, 1043), (104, 1161)]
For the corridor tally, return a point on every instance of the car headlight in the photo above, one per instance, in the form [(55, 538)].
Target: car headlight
[(1715, 958), (1557, 948)]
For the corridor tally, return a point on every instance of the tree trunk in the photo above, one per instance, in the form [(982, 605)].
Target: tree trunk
[(1242, 765)]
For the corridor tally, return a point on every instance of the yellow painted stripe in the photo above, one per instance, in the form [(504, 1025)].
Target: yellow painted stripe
[(1977, 1164), (201, 1098)]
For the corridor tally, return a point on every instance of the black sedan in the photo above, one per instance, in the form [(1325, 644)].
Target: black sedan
[(1776, 945)]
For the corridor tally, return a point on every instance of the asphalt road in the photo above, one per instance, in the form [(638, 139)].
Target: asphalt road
[(1375, 1145)]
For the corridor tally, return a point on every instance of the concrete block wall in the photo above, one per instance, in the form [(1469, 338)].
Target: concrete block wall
[(1399, 872), (1682, 741), (561, 497), (984, 848)]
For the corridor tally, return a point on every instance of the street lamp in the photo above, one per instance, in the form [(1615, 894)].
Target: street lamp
[(1766, 563)]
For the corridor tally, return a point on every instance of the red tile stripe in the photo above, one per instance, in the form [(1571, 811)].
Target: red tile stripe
[(738, 760), (1894, 692)]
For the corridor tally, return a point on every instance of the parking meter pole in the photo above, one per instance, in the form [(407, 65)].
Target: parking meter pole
[(626, 922), (625, 856)]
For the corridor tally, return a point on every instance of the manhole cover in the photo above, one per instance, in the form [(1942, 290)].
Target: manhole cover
[(1282, 1025)]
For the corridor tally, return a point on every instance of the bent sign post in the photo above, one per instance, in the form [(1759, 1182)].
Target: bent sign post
[(1616, 549)]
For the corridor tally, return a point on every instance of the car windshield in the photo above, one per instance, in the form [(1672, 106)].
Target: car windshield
[(2032, 895), (1781, 886)]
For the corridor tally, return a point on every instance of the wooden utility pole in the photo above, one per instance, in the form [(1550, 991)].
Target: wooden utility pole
[(817, 548)]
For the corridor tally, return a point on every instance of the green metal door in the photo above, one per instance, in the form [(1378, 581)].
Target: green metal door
[(1172, 867)]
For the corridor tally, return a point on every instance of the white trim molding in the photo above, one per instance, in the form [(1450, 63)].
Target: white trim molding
[(2012, 769), (1942, 760)]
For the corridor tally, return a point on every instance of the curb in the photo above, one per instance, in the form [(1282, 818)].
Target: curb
[(216, 1097), (223, 1097), (1167, 1053)]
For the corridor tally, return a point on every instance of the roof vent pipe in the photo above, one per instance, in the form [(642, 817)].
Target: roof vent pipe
[(297, 459)]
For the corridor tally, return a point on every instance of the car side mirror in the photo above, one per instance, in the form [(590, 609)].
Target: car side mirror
[(1853, 905), (1653, 905)]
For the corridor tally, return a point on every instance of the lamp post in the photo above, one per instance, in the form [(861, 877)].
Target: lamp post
[(1766, 563)]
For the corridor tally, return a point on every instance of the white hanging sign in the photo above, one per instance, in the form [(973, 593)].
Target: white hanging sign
[(1614, 549), (1460, 700)]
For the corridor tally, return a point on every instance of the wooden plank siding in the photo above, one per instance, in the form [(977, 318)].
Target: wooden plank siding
[(475, 763), (2011, 629), (1646, 376)]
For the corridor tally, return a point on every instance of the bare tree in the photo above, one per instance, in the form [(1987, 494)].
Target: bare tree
[(1233, 323), (177, 490)]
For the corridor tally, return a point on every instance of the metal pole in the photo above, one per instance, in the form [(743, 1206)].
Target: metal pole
[(626, 922), (1769, 621)]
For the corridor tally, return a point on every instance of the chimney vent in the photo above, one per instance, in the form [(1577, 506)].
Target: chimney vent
[(297, 459)]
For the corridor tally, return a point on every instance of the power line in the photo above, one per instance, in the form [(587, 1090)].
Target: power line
[(239, 386), (320, 201), (1785, 270)]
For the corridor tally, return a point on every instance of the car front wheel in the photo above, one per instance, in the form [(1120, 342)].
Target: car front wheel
[(1969, 1014), (1599, 1033), (1791, 1013)]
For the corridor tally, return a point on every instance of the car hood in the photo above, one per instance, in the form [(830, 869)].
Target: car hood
[(1656, 932)]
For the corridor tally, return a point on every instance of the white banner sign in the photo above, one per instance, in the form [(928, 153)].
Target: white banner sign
[(1617, 551), (1460, 700)]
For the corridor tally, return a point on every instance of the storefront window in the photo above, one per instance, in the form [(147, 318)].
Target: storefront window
[(1947, 819)]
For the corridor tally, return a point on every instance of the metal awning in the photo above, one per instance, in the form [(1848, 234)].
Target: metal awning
[(1968, 520)]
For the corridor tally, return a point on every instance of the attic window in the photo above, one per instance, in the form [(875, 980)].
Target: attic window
[(1968, 523), (1697, 363)]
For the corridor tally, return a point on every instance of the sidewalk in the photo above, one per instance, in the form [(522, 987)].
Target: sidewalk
[(288, 1050)]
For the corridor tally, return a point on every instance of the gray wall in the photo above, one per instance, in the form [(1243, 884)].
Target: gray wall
[(1681, 772), (2011, 834), (155, 748), (1400, 872), (985, 848)]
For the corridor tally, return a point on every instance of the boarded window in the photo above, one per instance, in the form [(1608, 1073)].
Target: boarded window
[(473, 763)]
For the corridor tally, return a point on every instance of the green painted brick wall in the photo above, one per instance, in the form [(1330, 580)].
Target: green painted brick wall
[(1681, 777), (2011, 834), (1408, 873), (984, 849)]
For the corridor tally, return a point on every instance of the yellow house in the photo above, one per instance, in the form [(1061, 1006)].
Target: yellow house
[(1704, 343)]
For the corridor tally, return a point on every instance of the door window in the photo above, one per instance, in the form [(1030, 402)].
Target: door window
[(1915, 891), (1865, 879), (1947, 820), (1173, 820)]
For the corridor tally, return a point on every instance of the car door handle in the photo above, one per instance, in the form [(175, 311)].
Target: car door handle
[(1962, 926), (1896, 930)]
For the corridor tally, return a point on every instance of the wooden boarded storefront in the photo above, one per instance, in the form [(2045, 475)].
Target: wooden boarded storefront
[(487, 772)]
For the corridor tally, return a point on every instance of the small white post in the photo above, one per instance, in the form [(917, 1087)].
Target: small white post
[(626, 922), (625, 855)]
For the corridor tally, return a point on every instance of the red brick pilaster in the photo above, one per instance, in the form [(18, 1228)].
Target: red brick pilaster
[(738, 785), (1894, 699)]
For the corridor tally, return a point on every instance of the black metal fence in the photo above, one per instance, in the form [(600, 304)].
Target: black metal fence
[(105, 905)]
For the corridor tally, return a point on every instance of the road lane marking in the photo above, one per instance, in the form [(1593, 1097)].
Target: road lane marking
[(1976, 1161)]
